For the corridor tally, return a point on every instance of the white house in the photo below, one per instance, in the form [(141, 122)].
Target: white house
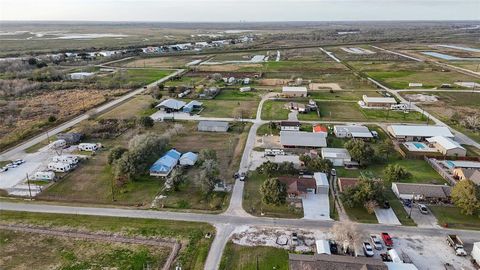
[(447, 146), (352, 131), (80, 75), (59, 167), (421, 191), (89, 147), (418, 133), (297, 91), (338, 156), (321, 181), (290, 126)]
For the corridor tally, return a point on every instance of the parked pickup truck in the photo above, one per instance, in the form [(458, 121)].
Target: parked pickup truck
[(457, 244), (387, 239)]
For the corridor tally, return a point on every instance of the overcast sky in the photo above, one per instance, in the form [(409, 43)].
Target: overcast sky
[(239, 10)]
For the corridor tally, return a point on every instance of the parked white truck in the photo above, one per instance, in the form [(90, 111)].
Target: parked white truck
[(476, 252), (457, 244)]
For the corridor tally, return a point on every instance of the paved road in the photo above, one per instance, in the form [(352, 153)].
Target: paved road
[(14, 152)]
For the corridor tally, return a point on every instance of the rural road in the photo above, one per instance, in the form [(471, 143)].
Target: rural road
[(14, 152)]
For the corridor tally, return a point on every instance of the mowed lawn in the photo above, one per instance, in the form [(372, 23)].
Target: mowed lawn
[(252, 200), (194, 250), (229, 108), (453, 218), (132, 108), (274, 110), (236, 257)]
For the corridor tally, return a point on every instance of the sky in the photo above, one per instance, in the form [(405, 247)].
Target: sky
[(238, 10)]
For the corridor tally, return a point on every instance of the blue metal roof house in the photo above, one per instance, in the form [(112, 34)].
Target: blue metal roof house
[(164, 165), (192, 105)]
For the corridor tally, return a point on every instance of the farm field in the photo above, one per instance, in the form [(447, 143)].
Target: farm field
[(192, 255), (303, 54), (161, 62), (252, 200), (31, 250), (452, 108), (398, 75), (142, 75), (246, 258), (229, 108)]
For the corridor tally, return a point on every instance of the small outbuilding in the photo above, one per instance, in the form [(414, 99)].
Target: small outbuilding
[(81, 75), (294, 91), (213, 126), (379, 102), (321, 181), (338, 156), (188, 159), (290, 126), (192, 106), (447, 146)]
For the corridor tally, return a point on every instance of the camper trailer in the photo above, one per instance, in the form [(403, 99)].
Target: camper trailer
[(58, 144), (59, 167), (90, 147), (69, 159), (44, 176)]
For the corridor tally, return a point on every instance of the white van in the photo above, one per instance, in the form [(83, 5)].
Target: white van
[(70, 159), (44, 176), (90, 147), (58, 144), (59, 167)]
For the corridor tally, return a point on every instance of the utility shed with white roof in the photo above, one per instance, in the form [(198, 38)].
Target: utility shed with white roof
[(447, 146), (418, 133), (321, 181), (386, 102), (298, 91), (338, 156)]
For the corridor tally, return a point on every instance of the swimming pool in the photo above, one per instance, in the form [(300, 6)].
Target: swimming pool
[(419, 145)]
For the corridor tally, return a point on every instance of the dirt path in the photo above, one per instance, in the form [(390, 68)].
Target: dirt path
[(172, 244)]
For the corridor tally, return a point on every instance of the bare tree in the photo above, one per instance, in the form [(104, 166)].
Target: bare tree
[(346, 233)]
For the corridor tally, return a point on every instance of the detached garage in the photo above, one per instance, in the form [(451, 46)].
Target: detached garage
[(321, 181)]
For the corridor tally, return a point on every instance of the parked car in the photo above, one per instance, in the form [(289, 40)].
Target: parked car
[(377, 243), (333, 247), (294, 238), (4, 169), (386, 204), (333, 172), (387, 239), (367, 249), (407, 203), (11, 165), (423, 209), (457, 244), (19, 161), (243, 176), (236, 175)]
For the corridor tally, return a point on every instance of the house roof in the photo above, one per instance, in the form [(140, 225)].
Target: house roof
[(461, 164), (320, 179), (301, 138), (445, 142), (420, 131), (189, 156), (471, 174), (388, 100), (220, 124), (294, 89), (171, 104), (296, 185), (320, 128), (345, 182), (356, 131), (173, 153), (333, 262), (166, 162), (290, 124), (426, 190), (194, 103), (335, 153)]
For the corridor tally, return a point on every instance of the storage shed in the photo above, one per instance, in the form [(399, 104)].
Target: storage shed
[(213, 126)]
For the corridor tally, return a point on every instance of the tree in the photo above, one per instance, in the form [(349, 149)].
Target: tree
[(346, 233), (395, 173), (268, 168), (318, 164), (146, 121), (273, 192), (370, 206), (208, 176), (466, 196), (385, 148), (365, 190), (175, 179), (360, 151), (52, 119), (116, 153), (206, 154)]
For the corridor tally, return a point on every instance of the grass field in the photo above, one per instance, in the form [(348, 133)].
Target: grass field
[(252, 201), (342, 95), (142, 76), (229, 108), (161, 62), (34, 251), (360, 214), (192, 255), (132, 108), (274, 110), (454, 218), (252, 258), (237, 95)]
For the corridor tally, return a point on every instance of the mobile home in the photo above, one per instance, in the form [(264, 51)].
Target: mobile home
[(44, 176), (59, 167), (69, 159), (91, 147)]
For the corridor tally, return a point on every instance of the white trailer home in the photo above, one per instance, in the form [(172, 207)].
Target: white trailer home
[(69, 159), (90, 147), (44, 176), (59, 167), (58, 144)]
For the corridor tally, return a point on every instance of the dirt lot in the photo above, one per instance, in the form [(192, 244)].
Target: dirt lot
[(229, 67), (320, 86), (162, 62), (273, 82)]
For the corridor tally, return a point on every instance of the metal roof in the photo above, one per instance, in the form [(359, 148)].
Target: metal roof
[(189, 156), (355, 131), (379, 99), (320, 179), (167, 162), (420, 131), (172, 104), (335, 153), (445, 142), (294, 89), (301, 138), (426, 190), (213, 124)]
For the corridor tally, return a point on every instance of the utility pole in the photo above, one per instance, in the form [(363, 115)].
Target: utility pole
[(29, 190), (411, 206)]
